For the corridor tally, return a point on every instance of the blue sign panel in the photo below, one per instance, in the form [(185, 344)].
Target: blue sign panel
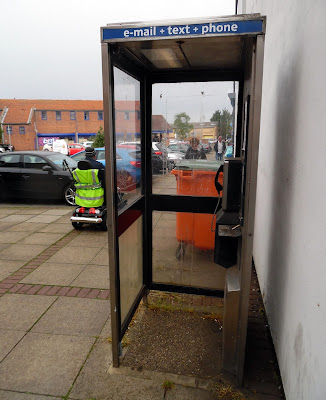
[(168, 31)]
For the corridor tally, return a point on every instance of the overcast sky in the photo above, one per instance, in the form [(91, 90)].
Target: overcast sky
[(51, 49)]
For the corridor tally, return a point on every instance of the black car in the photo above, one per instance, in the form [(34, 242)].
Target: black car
[(36, 175)]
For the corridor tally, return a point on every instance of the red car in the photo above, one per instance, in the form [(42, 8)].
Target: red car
[(75, 148)]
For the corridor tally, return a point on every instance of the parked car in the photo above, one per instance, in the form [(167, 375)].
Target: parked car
[(175, 156), (87, 144), (158, 164), (128, 158), (100, 155), (180, 147), (6, 147), (61, 146), (75, 148), (36, 175), (207, 148), (48, 147), (169, 157)]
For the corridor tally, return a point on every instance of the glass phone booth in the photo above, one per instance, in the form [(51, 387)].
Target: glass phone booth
[(161, 203)]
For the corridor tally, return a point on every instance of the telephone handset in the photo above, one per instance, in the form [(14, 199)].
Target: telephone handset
[(218, 186), (228, 227)]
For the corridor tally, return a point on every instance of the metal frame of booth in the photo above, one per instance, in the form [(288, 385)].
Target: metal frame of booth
[(121, 45)]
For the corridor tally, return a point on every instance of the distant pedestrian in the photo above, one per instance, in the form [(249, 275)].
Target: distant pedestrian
[(193, 153), (219, 148)]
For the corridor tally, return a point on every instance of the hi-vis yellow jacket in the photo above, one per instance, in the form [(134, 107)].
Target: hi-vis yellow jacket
[(89, 192)]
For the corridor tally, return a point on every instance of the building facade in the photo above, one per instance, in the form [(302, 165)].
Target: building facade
[(30, 124), (290, 224)]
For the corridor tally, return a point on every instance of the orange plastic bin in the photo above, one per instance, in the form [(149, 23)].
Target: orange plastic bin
[(196, 178)]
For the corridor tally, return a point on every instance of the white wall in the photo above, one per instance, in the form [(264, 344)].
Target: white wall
[(290, 226)]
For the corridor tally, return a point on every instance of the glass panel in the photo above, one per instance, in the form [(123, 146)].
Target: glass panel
[(187, 120), (130, 264), (10, 160), (183, 245), (34, 162), (127, 130)]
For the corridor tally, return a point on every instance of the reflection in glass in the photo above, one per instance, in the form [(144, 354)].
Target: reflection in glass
[(127, 131), (186, 122), (130, 265), (183, 245)]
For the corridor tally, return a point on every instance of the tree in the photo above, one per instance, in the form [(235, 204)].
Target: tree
[(99, 138), (224, 122), (182, 126)]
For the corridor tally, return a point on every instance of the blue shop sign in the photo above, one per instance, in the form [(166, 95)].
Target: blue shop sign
[(197, 30)]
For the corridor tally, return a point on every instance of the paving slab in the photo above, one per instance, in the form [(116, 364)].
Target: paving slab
[(189, 393), (4, 211), (30, 211), (15, 218), (84, 255), (57, 211), (12, 237), (90, 230), (55, 274), (95, 382), (8, 339), (93, 276), (26, 227), (42, 238), (106, 332), (89, 240), (24, 396), (19, 311), (4, 226), (4, 246), (44, 219), (74, 316), (8, 267), (22, 252), (57, 228), (102, 258), (44, 364), (64, 219)]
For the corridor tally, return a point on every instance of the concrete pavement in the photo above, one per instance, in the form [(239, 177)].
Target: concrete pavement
[(55, 328)]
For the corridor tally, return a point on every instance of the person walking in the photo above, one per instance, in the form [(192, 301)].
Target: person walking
[(219, 148)]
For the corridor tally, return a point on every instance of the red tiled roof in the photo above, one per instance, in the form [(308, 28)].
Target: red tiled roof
[(159, 123)]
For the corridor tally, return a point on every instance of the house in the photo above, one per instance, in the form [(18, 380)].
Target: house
[(30, 124)]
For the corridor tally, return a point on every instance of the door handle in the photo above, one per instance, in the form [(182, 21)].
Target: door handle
[(26, 176)]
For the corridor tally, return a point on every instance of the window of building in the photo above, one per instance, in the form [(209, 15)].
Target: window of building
[(44, 116), (73, 115), (100, 115), (86, 115), (22, 130), (58, 115), (9, 129), (126, 114), (138, 114)]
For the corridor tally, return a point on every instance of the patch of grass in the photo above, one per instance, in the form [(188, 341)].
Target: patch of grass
[(261, 311), (125, 341), (168, 307), (227, 392), (167, 385)]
